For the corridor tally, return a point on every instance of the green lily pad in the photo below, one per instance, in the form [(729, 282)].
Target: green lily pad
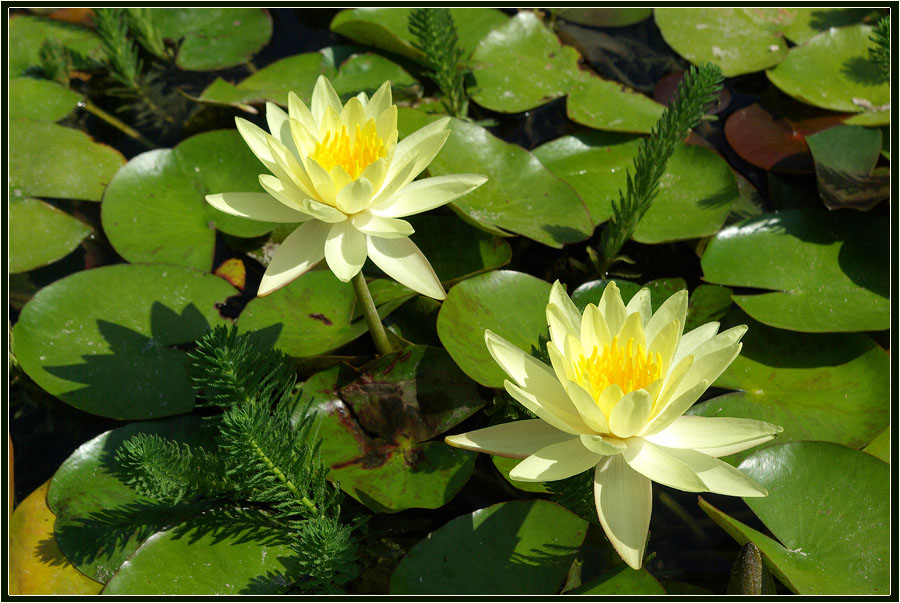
[(833, 71), (845, 159), (504, 465), (47, 160), (707, 303), (100, 521), (695, 194), (376, 426), (366, 72), (522, 65), (591, 292), (870, 118), (214, 38), (738, 40), (829, 508), (186, 561), (806, 22), (40, 99), (828, 272), (155, 209), (511, 304), (621, 580), (27, 34), (388, 29), (880, 447), (317, 313), (520, 196), (40, 234), (604, 17), (832, 387), (522, 547), (103, 340)]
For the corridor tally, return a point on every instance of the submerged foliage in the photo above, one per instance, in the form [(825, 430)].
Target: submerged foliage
[(435, 35)]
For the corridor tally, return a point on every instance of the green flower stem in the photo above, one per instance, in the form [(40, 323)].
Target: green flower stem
[(116, 123), (379, 336)]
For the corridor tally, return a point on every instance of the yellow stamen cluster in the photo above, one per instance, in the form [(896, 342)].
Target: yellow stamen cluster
[(354, 155), (624, 366)]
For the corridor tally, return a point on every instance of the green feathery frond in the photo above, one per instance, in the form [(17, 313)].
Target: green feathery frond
[(880, 51), (120, 51), (576, 493), (230, 370), (325, 556), (435, 35), (697, 91), (142, 27), (56, 62)]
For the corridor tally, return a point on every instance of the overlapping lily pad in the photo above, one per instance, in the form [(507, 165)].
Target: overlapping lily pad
[(214, 38), (833, 70), (103, 340), (880, 447), (604, 17), (829, 508), (40, 234), (521, 195), (316, 313), (845, 159), (695, 193), (27, 34), (511, 304), (518, 547), (621, 580), (40, 99), (824, 272), (377, 428), (155, 210), (47, 160), (522, 65), (808, 21), (387, 28), (739, 40), (832, 387)]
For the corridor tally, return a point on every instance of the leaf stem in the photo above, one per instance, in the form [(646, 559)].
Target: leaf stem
[(379, 336), (116, 123)]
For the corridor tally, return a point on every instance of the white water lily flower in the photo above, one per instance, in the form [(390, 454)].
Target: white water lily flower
[(340, 172), (621, 379)]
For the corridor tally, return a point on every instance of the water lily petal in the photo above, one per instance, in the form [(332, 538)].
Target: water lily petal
[(624, 499), (298, 111), (547, 411), (256, 139), (330, 122), (674, 308), (640, 302), (612, 308), (715, 436), (594, 332), (602, 444), (518, 439), (325, 190), (561, 299), (375, 173), (289, 169), (255, 206), (665, 343), (528, 372), (323, 98), (673, 408), (631, 412), (718, 476), (300, 251), (708, 367), (723, 340), (587, 408), (280, 127), (345, 250), (402, 261), (690, 340), (609, 398), (353, 114), (355, 196), (386, 127), (561, 367), (561, 327), (305, 139), (672, 379), (418, 149), (380, 102), (376, 226), (661, 466), (556, 461), (428, 193), (632, 329), (340, 178), (283, 191)]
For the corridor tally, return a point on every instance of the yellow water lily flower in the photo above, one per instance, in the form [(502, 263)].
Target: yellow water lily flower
[(340, 172), (621, 379)]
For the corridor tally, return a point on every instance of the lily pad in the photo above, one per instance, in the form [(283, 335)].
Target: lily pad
[(604, 17), (806, 22), (831, 387), (27, 34), (522, 65), (695, 193), (870, 118), (376, 428), (47, 160), (533, 203), (707, 303), (621, 580), (214, 38), (880, 447), (829, 508), (511, 304), (845, 159), (100, 521), (36, 565), (522, 547), (40, 99), (738, 40), (833, 71), (828, 272), (317, 313), (40, 234), (155, 209), (591, 292), (388, 28), (103, 340), (186, 561)]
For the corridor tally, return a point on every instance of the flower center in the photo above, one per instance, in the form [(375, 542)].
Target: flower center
[(624, 366), (353, 154)]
